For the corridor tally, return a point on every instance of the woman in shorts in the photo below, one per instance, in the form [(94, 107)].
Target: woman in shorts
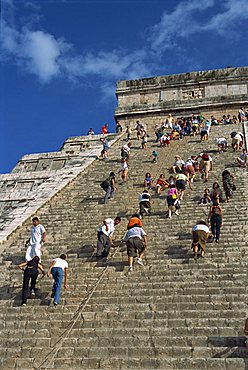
[(189, 168), (172, 196), (181, 180), (205, 165)]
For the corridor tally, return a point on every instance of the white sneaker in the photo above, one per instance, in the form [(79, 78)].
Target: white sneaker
[(169, 216), (140, 262), (130, 269), (177, 213), (32, 294)]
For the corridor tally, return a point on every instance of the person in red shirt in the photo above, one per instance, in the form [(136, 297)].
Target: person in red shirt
[(104, 129)]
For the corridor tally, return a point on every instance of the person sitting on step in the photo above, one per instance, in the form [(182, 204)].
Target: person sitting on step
[(206, 197), (216, 192), (161, 184), (243, 159), (148, 181)]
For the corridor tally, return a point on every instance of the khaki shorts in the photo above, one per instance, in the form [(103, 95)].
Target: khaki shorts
[(134, 245), (205, 166)]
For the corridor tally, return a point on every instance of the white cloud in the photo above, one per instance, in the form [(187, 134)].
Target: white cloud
[(40, 52), (113, 65), (188, 18), (108, 92), (181, 22), (9, 38), (36, 51), (235, 11)]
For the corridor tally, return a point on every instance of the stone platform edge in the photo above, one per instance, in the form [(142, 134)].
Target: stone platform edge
[(64, 178)]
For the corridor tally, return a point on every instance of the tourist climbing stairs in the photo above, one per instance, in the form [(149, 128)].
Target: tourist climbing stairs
[(173, 313)]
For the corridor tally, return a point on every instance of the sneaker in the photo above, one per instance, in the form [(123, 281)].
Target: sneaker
[(140, 262), (24, 304), (169, 216), (55, 303), (32, 294), (177, 213), (217, 240), (130, 269)]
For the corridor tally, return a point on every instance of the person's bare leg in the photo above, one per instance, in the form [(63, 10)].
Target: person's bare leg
[(130, 261)]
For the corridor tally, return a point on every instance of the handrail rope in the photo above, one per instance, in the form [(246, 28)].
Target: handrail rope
[(73, 321), (74, 318)]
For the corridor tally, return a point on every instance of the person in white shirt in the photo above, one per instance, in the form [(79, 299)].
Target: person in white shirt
[(104, 236), (200, 233), (136, 242), (125, 151), (178, 164), (59, 270), (241, 115), (222, 144), (37, 238), (124, 169), (145, 203), (189, 168), (237, 140), (169, 121)]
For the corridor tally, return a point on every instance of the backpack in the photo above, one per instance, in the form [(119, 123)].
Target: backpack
[(105, 184), (205, 157), (134, 222)]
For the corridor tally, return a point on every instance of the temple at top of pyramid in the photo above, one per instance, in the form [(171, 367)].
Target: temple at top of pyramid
[(220, 91)]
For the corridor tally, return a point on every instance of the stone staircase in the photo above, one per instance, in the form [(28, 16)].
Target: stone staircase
[(173, 313)]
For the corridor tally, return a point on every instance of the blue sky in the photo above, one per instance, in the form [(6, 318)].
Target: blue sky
[(60, 59)]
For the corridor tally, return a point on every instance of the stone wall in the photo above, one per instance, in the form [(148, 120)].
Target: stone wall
[(149, 120), (223, 91), (38, 177)]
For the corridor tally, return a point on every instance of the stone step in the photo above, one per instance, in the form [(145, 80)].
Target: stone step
[(151, 363), (175, 313)]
